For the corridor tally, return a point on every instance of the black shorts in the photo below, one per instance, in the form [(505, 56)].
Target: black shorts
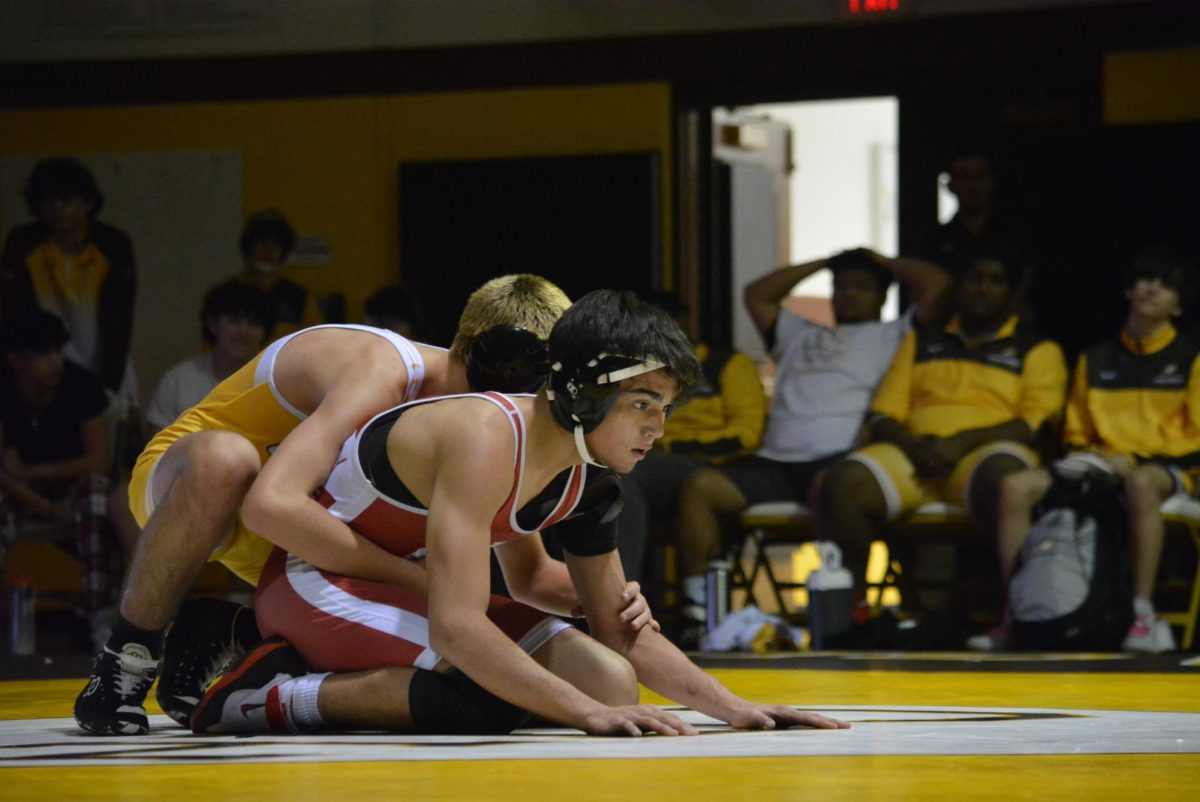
[(762, 479)]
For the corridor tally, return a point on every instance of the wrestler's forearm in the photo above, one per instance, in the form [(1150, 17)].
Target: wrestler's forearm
[(306, 529), (662, 668), (549, 588)]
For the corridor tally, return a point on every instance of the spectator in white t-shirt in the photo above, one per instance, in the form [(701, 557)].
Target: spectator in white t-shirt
[(825, 378), (236, 321)]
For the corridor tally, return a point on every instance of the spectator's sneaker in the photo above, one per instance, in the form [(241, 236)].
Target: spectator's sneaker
[(247, 698), (996, 639), (1148, 634), (207, 637), (112, 702)]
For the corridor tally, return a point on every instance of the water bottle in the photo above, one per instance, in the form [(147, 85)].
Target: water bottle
[(830, 590), (717, 592), (22, 618)]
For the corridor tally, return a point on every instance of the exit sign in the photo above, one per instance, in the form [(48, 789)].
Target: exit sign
[(872, 6)]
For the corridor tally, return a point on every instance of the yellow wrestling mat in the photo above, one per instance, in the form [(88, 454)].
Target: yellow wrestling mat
[(960, 730)]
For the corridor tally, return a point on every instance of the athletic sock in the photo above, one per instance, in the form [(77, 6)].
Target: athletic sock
[(124, 632), (305, 714), (695, 589), (1143, 608)]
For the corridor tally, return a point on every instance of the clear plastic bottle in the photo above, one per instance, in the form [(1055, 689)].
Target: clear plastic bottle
[(22, 617), (717, 592)]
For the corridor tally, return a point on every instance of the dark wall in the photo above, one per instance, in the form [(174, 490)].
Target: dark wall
[(1026, 85), (584, 222)]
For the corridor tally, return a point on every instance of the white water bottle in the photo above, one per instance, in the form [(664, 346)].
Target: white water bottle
[(830, 593)]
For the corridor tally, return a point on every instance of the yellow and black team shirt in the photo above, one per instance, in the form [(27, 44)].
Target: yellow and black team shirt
[(937, 385), (725, 412), (93, 292), (1137, 397)]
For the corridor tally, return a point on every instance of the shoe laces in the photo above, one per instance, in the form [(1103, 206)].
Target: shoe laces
[(133, 668)]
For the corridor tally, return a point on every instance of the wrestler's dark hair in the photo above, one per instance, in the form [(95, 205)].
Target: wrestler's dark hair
[(604, 333), (55, 179), (1172, 267), (269, 225), (860, 259), (236, 299)]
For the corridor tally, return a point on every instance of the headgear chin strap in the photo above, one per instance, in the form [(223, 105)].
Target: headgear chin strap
[(581, 396), (507, 359)]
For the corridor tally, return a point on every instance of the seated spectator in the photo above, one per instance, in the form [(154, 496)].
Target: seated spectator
[(1135, 403), (266, 242), (721, 419), (56, 455), (69, 263), (961, 407), (824, 381), (235, 322), (396, 309)]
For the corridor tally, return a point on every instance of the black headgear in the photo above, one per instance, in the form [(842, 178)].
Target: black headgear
[(581, 395), (507, 359)]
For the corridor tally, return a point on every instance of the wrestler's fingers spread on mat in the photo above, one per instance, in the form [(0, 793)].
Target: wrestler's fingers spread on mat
[(785, 716), (634, 720), (655, 719)]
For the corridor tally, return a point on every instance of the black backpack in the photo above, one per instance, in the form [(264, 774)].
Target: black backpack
[(1073, 588)]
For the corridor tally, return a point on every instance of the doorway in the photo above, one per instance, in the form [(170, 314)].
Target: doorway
[(806, 180)]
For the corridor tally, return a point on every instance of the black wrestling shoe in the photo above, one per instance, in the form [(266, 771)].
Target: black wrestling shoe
[(207, 637), (113, 701), (246, 698)]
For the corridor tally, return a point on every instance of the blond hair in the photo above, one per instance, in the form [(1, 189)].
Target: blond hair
[(523, 299)]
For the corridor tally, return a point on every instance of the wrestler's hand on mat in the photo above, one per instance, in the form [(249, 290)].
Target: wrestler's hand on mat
[(633, 720), (636, 612), (770, 717)]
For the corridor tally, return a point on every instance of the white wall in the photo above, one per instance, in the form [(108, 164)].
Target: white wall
[(844, 181)]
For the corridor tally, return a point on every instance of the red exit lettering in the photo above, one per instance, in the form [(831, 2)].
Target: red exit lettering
[(869, 6)]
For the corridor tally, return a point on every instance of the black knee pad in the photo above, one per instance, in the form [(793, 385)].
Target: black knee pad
[(454, 704)]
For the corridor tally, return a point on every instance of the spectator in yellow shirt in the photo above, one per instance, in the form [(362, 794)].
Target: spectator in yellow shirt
[(961, 407)]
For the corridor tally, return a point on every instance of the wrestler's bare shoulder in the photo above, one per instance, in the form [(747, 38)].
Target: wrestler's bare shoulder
[(314, 362)]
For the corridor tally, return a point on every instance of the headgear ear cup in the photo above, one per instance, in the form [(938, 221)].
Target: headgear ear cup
[(577, 402), (581, 395)]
